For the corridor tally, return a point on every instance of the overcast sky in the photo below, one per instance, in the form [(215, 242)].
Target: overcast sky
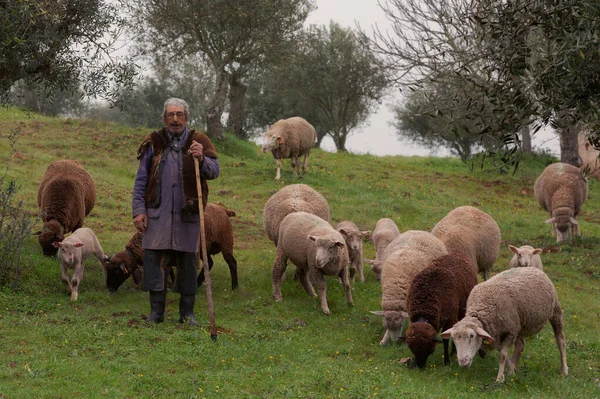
[(377, 137)]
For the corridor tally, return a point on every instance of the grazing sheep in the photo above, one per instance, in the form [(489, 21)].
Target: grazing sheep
[(66, 195), (73, 251), (292, 198), (219, 238), (316, 249), (437, 299), (290, 138), (504, 310), (385, 232), (526, 256), (561, 190), (469, 231), (353, 237), (398, 270)]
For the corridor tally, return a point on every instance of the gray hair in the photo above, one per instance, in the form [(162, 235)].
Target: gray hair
[(179, 103)]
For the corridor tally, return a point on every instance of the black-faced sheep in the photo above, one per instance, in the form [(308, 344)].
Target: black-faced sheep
[(437, 299), (398, 270), (292, 198), (353, 237), (561, 190), (72, 252), (316, 249), (66, 195), (526, 256), (469, 231), (504, 310), (290, 138), (385, 232)]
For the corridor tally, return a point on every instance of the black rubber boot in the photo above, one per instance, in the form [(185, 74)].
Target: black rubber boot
[(186, 309), (158, 300)]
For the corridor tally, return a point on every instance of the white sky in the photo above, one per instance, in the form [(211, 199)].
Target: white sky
[(377, 137)]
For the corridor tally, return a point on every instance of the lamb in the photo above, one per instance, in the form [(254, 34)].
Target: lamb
[(437, 299), (385, 232), (353, 237), (66, 195), (398, 270), (290, 138), (73, 251), (561, 190), (469, 231), (292, 198), (316, 249), (526, 256), (219, 238), (503, 311)]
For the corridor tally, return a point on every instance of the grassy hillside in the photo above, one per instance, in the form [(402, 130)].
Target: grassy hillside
[(99, 346)]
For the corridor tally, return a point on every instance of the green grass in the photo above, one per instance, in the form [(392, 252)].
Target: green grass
[(99, 346)]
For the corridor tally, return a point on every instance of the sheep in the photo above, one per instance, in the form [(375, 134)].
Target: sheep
[(66, 195), (503, 311), (219, 238), (290, 138), (437, 299), (316, 249), (385, 232), (353, 237), (469, 231), (73, 251), (292, 198), (561, 190), (525, 256), (398, 270)]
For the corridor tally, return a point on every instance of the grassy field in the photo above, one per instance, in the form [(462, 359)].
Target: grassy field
[(99, 346)]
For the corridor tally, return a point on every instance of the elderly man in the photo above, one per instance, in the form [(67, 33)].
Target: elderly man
[(165, 206)]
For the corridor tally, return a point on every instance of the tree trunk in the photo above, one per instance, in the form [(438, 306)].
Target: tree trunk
[(526, 138), (569, 146), (339, 139), (214, 111), (235, 121)]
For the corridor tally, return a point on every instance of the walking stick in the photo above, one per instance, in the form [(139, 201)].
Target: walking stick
[(202, 243)]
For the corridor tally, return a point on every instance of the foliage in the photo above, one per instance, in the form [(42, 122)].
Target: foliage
[(61, 103)]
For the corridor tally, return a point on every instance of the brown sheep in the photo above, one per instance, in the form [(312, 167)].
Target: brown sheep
[(66, 195)]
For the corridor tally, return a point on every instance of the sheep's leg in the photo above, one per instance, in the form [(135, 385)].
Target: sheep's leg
[(322, 288), (302, 276), (504, 348), (65, 277), (295, 165), (76, 279), (305, 162), (200, 278), (346, 283), (517, 351), (278, 176), (232, 263), (446, 355), (358, 266), (279, 266), (575, 230), (557, 326)]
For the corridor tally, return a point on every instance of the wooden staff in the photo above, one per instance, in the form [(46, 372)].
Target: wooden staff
[(202, 244)]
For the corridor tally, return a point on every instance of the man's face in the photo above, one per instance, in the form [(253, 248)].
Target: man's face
[(175, 119)]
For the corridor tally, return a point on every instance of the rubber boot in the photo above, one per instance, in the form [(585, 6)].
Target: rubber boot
[(186, 309), (158, 300)]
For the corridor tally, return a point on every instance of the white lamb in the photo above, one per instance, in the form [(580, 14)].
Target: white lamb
[(73, 251), (353, 237), (526, 256)]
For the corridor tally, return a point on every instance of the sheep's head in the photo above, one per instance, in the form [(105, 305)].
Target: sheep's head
[(394, 321), (118, 270), (271, 141), (327, 250), (67, 250), (51, 232), (525, 254), (375, 267), (563, 225), (467, 338), (353, 239), (421, 339)]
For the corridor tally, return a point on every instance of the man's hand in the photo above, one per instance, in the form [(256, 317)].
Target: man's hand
[(141, 222), (196, 150)]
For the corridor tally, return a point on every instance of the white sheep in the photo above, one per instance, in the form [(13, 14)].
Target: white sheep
[(353, 237), (290, 138), (505, 309), (469, 231), (73, 251), (561, 190), (415, 251), (316, 249), (526, 256), (385, 232)]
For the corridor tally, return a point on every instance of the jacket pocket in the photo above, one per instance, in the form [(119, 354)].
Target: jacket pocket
[(153, 213)]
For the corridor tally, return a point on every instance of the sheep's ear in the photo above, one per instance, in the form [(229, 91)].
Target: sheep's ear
[(280, 139), (340, 244), (377, 312), (56, 244), (369, 261), (487, 338), (447, 334), (573, 221), (513, 249), (550, 220), (403, 314), (438, 339), (366, 234), (343, 231), (123, 268), (79, 245), (312, 238), (537, 251)]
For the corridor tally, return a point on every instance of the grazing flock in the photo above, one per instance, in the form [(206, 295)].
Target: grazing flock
[(429, 280)]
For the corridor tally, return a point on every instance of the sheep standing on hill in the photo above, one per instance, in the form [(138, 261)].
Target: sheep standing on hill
[(385, 232), (290, 138), (437, 299), (415, 251), (504, 310), (469, 231), (73, 251), (526, 256), (316, 249), (292, 198), (66, 195), (561, 190), (353, 237)]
